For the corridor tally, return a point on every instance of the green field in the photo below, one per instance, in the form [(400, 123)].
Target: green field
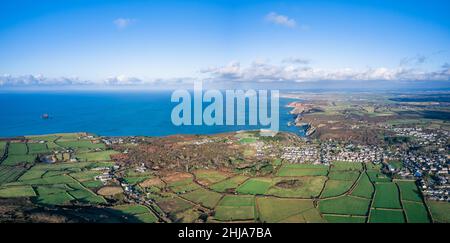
[(37, 148), (204, 197), (210, 176), (343, 175), (374, 167), (342, 165), (386, 216), (377, 176), (33, 173), (409, 191), (49, 139), (272, 210), (17, 191), (80, 144), (301, 187), (86, 196), (2, 148), (92, 184), (335, 188), (415, 212), (345, 205), (96, 156), (73, 167), (183, 186), (51, 173), (19, 159), (344, 219), (51, 189), (312, 216), (146, 218), (234, 207), (62, 189), (255, 186), (226, 213), (59, 179), (61, 198), (364, 188), (17, 149), (10, 173), (229, 184), (237, 200), (440, 211), (58, 189), (86, 175), (302, 170), (386, 196), (69, 136), (173, 204)]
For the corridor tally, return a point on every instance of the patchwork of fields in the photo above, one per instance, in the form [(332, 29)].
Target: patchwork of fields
[(343, 192), (67, 178), (340, 193)]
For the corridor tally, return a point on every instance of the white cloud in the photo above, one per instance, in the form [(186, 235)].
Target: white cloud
[(230, 71), (122, 23), (120, 81), (123, 80), (266, 72), (39, 80), (279, 19)]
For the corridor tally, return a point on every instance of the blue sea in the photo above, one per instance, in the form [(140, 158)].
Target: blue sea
[(105, 114)]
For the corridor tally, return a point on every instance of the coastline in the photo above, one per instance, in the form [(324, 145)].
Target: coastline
[(298, 109)]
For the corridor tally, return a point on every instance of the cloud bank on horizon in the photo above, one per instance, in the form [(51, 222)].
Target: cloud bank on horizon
[(258, 72), (266, 72), (128, 43)]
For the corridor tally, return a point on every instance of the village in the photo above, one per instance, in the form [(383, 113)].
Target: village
[(424, 159)]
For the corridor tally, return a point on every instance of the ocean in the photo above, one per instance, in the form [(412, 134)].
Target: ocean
[(105, 114)]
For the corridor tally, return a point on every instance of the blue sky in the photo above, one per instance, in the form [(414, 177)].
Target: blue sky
[(257, 41)]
